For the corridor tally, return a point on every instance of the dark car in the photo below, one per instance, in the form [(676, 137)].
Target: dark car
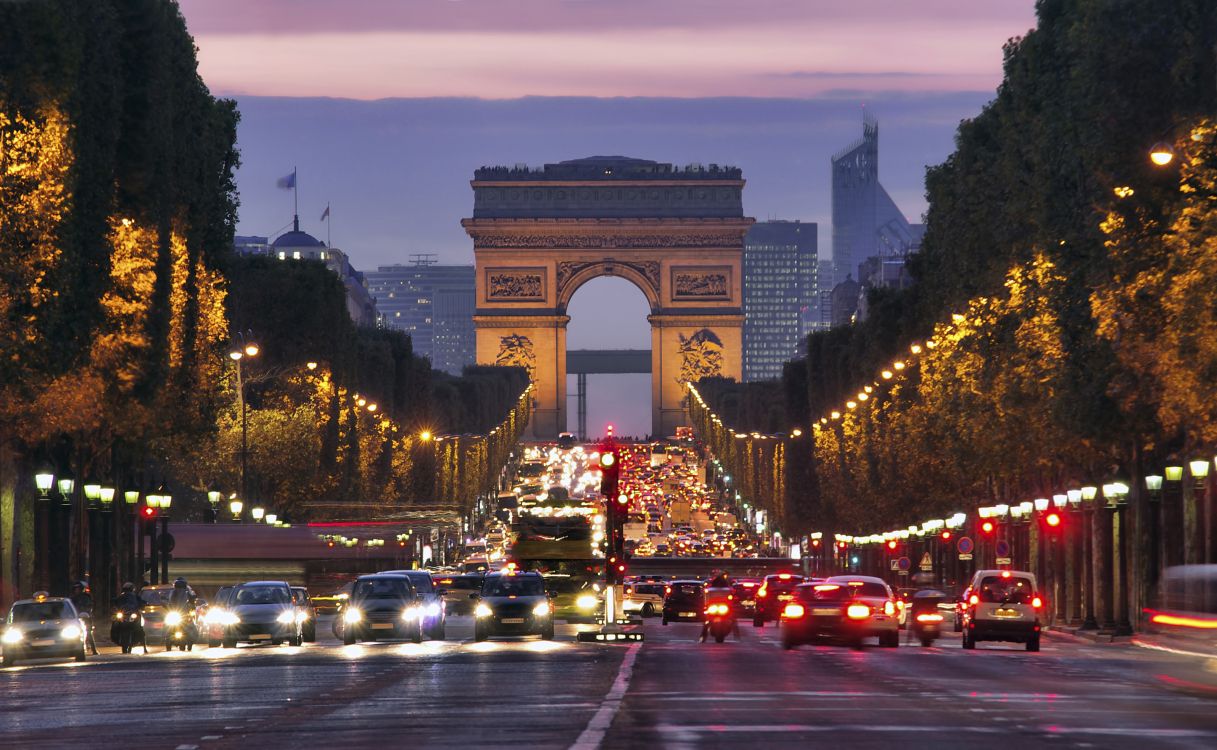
[(261, 611), (684, 601), (40, 628), (384, 605), (430, 599), (456, 590), (771, 597), (217, 616), (304, 605), (513, 604), (844, 608), (331, 603), (744, 590)]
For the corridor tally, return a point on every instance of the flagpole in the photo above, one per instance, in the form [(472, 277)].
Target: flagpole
[(296, 197), (329, 222)]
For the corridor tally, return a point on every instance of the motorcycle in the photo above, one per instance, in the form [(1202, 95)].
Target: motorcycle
[(180, 630), (720, 618), (924, 618), (127, 630)]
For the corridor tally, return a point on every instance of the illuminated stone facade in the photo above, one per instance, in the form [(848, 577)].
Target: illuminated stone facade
[(677, 234)]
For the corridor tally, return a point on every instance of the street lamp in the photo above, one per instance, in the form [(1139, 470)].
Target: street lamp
[(92, 493), (258, 512), (1200, 471), (107, 498), (1161, 154), (131, 497), (271, 519), (243, 345), (213, 498), (66, 485), (235, 506), (44, 481)]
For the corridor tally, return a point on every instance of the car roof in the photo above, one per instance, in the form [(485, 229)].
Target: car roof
[(410, 573), (688, 580), (43, 601), (999, 573), (848, 578), (378, 576), (517, 574), (265, 583)]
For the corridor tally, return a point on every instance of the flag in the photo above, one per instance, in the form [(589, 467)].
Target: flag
[(325, 214), (288, 182)]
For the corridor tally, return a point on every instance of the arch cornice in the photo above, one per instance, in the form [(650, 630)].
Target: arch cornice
[(643, 274)]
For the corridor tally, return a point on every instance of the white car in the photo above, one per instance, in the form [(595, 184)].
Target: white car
[(1004, 605), (644, 597)]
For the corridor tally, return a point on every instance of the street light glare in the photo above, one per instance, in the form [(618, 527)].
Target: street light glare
[(236, 354), (251, 350), (1162, 154)]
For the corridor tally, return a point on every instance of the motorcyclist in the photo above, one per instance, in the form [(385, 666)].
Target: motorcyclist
[(82, 600), (720, 591), (127, 603), (182, 598), (128, 600)]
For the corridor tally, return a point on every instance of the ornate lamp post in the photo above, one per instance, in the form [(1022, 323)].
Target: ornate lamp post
[(258, 513), (1200, 473), (135, 546), (1090, 576), (1153, 486), (243, 347), (166, 541), (235, 507), (153, 501), (213, 498)]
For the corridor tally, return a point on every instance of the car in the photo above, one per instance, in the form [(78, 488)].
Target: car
[(455, 589), (383, 605), (258, 612), (42, 627), (771, 597), (848, 608), (1004, 605), (744, 590), (431, 600), (216, 615), (329, 604), (576, 599), (156, 606), (304, 604), (684, 601), (644, 597), (512, 603)]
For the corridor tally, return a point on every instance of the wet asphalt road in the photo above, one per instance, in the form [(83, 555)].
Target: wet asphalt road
[(669, 692)]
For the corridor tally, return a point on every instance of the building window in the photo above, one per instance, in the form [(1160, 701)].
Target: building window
[(282, 255), (295, 255)]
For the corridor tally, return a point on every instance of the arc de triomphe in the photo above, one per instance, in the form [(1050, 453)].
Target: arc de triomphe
[(677, 234)]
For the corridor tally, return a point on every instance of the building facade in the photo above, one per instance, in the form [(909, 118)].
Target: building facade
[(780, 299), (434, 304)]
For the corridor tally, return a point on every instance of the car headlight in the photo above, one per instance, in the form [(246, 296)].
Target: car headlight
[(409, 613), (352, 615), (541, 610), (70, 632), (483, 611), (173, 618), (587, 601), (12, 635), (432, 610), (287, 617)]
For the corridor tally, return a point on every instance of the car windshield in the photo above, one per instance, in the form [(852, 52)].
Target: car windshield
[(649, 588), (686, 591), (468, 583), (262, 595), (1013, 590), (382, 588), (513, 586), (38, 611), (422, 582)]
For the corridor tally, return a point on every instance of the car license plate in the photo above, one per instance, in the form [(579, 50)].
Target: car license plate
[(512, 621), (785, 597), (1010, 613), (748, 603), (824, 611), (39, 644), (687, 614), (382, 626), (260, 637)]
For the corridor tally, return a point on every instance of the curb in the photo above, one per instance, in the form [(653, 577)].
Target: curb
[(1090, 636)]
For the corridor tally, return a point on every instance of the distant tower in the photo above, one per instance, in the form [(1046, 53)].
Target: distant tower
[(866, 222)]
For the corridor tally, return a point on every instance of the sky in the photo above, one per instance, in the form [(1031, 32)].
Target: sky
[(386, 107)]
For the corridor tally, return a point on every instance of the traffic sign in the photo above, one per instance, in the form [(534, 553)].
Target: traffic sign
[(965, 545), (895, 564), (904, 563), (1004, 561), (1003, 548), (965, 555), (926, 563)]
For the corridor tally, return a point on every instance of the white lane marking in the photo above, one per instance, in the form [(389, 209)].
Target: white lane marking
[(593, 735), (687, 731)]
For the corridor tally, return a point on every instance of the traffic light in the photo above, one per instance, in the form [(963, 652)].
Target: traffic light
[(623, 502), (891, 545), (987, 527), (1053, 520), (610, 470), (946, 536), (149, 514)]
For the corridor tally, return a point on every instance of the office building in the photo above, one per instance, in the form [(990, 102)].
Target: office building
[(780, 299), (434, 304)]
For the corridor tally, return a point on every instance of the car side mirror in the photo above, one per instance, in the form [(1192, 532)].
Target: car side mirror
[(474, 596)]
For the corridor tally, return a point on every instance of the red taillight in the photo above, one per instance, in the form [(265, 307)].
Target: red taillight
[(717, 609), (784, 576), (762, 592), (889, 608), (1005, 574), (1037, 602), (973, 599), (857, 611), (793, 611), (929, 618), (667, 590)]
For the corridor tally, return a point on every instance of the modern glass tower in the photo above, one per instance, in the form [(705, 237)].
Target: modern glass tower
[(434, 304), (780, 299)]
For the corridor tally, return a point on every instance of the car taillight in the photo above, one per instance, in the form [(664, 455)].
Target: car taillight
[(857, 611), (929, 618), (889, 608), (793, 611), (762, 592), (716, 609), (1037, 602), (973, 599)]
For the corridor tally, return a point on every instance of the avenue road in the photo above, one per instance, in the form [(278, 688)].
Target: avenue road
[(670, 691)]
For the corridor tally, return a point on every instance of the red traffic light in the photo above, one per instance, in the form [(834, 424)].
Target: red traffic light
[(815, 542), (148, 512), (1053, 520), (946, 536), (987, 527), (623, 500), (840, 545), (892, 545)]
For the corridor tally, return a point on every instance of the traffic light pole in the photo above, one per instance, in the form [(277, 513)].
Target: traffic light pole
[(614, 565)]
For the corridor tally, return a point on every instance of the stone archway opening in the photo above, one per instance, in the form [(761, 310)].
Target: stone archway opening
[(608, 359)]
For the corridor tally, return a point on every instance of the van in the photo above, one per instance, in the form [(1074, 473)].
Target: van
[(1004, 605)]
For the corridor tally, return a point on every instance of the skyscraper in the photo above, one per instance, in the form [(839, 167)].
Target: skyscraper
[(434, 304), (780, 300), (866, 222)]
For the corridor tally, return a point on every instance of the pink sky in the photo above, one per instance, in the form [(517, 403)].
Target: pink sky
[(370, 49)]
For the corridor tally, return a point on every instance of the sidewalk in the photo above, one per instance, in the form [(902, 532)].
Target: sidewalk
[(1094, 636)]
